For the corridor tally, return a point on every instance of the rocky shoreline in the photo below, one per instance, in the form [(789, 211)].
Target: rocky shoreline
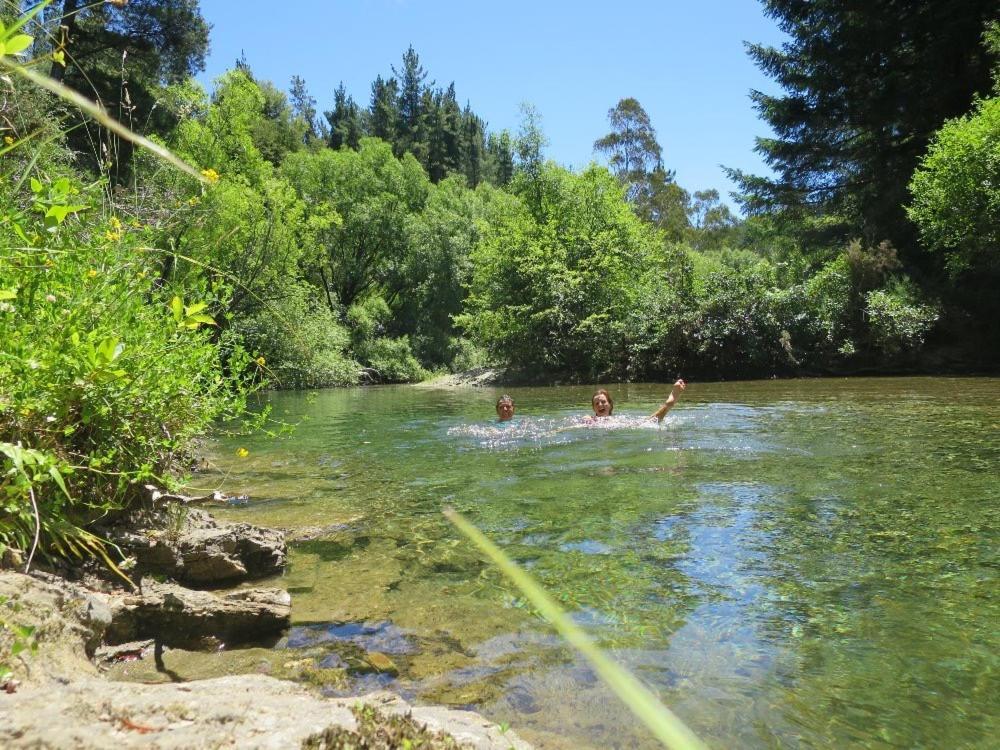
[(59, 636)]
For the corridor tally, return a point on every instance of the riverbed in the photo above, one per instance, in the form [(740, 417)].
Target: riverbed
[(806, 563)]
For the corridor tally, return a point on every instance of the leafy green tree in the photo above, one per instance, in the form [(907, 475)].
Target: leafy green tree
[(411, 104), (956, 190), (664, 204), (438, 269), (359, 203), (552, 289), (865, 87), (122, 54), (713, 223), (473, 147), (247, 228), (500, 158)]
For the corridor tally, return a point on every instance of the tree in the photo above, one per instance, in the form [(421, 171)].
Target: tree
[(956, 190), (865, 87), (304, 108), (410, 102), (631, 146), (383, 112), (122, 55), (165, 40), (500, 158), (346, 127), (529, 147), (359, 203), (553, 290)]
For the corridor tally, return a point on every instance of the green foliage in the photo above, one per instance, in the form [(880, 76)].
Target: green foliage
[(389, 359), (370, 194), (15, 640), (956, 191), (300, 342), (104, 379), (864, 88), (437, 268), (550, 291), (897, 320)]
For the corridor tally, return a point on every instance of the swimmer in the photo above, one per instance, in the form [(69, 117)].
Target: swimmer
[(604, 406), (505, 408)]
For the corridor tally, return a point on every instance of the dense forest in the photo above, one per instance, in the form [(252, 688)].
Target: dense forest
[(390, 239)]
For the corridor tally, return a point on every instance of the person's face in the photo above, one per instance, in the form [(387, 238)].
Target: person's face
[(602, 407), (505, 410)]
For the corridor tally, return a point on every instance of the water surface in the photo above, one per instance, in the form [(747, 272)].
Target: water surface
[(787, 563)]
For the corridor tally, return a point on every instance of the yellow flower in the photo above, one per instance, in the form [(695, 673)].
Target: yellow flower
[(242, 452), (112, 236), (260, 361), (115, 223), (210, 174), (8, 140), (193, 201), (91, 273)]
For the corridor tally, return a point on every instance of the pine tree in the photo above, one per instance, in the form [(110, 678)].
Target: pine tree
[(865, 85), (346, 128), (304, 107), (383, 113)]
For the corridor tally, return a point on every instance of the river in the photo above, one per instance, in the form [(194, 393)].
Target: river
[(804, 563)]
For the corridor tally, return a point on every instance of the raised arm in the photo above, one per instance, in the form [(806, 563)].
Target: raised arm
[(660, 413)]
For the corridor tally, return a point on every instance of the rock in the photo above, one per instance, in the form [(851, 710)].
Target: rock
[(246, 711), (177, 616), (190, 546), (467, 727), (68, 623), (381, 663)]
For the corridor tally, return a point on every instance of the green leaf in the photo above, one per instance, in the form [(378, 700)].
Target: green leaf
[(36, 186), (177, 308), (197, 307), (7, 294), (17, 43), (58, 479), (194, 321)]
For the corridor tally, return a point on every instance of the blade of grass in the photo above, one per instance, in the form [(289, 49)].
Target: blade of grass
[(639, 699), (98, 113)]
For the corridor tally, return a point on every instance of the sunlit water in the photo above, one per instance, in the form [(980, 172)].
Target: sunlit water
[(788, 564)]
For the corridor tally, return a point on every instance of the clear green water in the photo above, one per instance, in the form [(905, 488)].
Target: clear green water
[(788, 564)]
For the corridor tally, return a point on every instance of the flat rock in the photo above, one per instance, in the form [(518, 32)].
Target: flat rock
[(190, 546), (246, 711), (177, 616)]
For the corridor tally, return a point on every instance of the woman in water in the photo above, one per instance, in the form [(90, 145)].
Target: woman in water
[(604, 405)]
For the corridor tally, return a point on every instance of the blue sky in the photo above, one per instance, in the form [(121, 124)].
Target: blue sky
[(685, 62)]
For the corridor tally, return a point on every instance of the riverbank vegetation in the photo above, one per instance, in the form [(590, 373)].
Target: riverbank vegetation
[(385, 240)]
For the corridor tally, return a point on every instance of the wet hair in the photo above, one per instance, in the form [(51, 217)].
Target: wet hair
[(503, 398), (611, 401)]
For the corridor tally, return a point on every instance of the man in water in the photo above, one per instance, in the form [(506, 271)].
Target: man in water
[(505, 408)]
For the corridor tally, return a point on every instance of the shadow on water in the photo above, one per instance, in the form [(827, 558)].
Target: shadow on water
[(797, 563)]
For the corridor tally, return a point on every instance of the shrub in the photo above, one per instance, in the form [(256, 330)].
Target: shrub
[(103, 373), (897, 321), (299, 340)]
